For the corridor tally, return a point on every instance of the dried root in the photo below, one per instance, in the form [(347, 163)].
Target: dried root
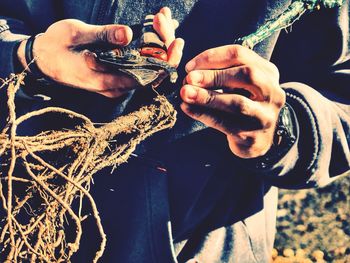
[(38, 234)]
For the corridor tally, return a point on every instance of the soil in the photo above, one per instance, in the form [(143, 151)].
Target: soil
[(314, 225)]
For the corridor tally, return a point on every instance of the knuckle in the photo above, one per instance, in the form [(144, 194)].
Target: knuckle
[(249, 74), (281, 98), (102, 35), (72, 29), (255, 77), (209, 56), (243, 108), (267, 122), (235, 52), (267, 97), (74, 34), (218, 78), (69, 28)]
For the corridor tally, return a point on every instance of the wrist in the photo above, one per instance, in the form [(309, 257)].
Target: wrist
[(21, 54), (28, 60), (285, 135), (284, 138)]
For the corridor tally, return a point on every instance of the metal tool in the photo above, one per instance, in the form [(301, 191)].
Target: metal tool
[(147, 64)]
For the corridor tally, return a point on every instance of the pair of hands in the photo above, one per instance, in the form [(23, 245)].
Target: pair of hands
[(248, 121)]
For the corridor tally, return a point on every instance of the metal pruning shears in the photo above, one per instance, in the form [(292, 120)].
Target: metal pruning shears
[(146, 64)]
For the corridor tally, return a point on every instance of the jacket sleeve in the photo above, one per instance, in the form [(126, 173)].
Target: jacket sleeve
[(12, 32), (19, 20), (314, 61)]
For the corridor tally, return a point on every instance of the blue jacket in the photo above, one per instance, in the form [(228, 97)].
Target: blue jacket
[(209, 204)]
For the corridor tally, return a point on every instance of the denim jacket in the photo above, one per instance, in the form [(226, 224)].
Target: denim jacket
[(187, 196)]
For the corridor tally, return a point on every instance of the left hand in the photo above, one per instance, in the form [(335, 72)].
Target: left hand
[(249, 122), (79, 68)]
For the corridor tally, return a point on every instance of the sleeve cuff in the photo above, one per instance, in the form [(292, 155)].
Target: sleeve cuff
[(8, 48), (303, 165)]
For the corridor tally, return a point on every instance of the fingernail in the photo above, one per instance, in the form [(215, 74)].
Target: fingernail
[(191, 93), (121, 35), (190, 66)]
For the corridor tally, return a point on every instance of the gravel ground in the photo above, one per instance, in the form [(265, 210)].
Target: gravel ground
[(314, 225)]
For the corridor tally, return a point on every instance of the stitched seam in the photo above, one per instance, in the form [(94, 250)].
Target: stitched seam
[(312, 118)]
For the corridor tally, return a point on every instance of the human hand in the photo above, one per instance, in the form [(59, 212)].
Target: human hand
[(248, 122), (61, 56)]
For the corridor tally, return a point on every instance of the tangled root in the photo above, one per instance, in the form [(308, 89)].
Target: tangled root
[(41, 236)]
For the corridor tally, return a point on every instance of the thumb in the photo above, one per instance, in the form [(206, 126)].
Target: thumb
[(119, 35)]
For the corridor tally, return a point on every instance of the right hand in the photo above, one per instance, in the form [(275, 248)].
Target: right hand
[(58, 58)]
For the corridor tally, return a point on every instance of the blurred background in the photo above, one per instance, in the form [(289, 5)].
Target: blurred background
[(314, 225)]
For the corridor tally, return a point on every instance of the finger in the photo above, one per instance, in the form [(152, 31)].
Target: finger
[(230, 103), (175, 24), (175, 52), (119, 35), (224, 57), (227, 123), (166, 12), (209, 119), (164, 28), (253, 80)]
